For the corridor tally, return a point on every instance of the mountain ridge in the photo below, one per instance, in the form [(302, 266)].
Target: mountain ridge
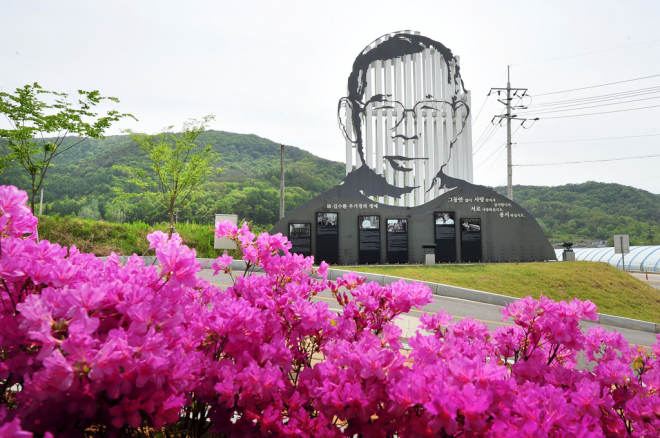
[(249, 187)]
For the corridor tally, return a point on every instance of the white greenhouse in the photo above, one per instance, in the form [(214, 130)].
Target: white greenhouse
[(640, 258)]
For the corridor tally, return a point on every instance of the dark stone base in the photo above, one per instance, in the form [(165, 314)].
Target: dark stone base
[(508, 232)]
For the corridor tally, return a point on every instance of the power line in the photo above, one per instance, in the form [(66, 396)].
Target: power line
[(567, 108), (596, 86), (496, 149), (489, 167), (587, 161), (489, 157), (603, 112), (646, 179), (487, 131), (486, 140), (482, 107), (584, 54), (601, 97), (589, 139), (485, 136)]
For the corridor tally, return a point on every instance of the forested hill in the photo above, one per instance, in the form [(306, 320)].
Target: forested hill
[(592, 211), (81, 182), (249, 185)]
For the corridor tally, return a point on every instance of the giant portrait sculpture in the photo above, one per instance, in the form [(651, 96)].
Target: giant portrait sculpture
[(411, 147), (386, 49)]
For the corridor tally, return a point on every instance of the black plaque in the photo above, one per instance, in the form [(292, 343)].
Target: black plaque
[(445, 236), (369, 239), (397, 240), (300, 236), (471, 240), (327, 238)]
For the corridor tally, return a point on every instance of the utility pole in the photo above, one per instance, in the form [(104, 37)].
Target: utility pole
[(281, 181), (509, 169), (508, 117), (651, 235)]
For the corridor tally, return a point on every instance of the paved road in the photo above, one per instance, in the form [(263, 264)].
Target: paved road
[(653, 279), (459, 309)]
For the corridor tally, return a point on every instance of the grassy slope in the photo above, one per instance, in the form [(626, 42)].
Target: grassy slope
[(613, 291), (102, 238)]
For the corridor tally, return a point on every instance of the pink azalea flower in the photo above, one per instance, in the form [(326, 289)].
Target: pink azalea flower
[(98, 343), (222, 263)]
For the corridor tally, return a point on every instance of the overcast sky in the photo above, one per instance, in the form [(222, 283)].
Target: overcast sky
[(277, 69)]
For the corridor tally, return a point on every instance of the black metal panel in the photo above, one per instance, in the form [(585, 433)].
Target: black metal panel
[(397, 240), (445, 236), (369, 239), (300, 236), (327, 238), (471, 240)]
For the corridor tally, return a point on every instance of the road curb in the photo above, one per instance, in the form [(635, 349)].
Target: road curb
[(444, 290), (494, 299)]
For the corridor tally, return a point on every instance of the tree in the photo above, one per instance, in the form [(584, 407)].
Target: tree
[(179, 166), (38, 130)]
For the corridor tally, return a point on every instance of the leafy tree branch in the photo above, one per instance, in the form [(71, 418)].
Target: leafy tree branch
[(178, 166), (38, 129)]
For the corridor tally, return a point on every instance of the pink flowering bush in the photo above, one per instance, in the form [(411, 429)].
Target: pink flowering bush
[(97, 348)]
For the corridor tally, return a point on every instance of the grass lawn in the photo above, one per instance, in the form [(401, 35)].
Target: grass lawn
[(102, 238), (613, 291)]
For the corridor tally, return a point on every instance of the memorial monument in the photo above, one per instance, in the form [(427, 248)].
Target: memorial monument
[(406, 123)]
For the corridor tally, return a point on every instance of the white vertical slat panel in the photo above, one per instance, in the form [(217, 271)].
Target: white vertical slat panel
[(368, 120), (349, 136), (389, 146), (449, 123), (458, 146), (438, 142), (398, 115), (409, 129), (419, 129), (464, 135), (379, 145), (458, 150), (460, 121), (468, 142), (428, 125)]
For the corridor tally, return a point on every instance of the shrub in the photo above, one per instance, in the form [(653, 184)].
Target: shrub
[(104, 349)]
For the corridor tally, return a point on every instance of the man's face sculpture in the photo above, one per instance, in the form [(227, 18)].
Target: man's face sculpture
[(396, 46)]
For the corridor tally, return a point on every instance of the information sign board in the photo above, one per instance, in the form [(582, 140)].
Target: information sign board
[(368, 239), (621, 244), (327, 238), (397, 240), (445, 236), (471, 240), (300, 236)]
